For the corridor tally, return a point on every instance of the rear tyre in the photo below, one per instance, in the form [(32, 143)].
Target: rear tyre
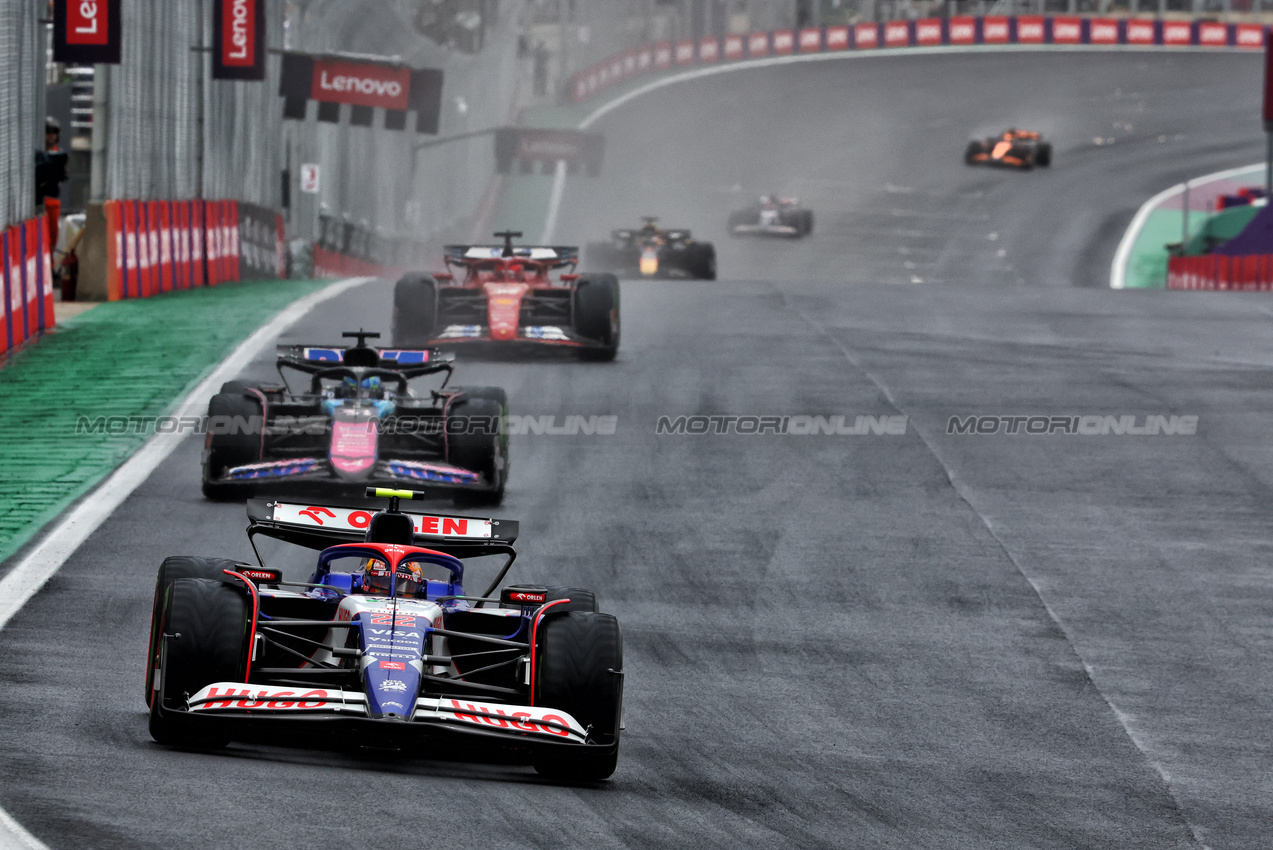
[(970, 153), (235, 433), (596, 315), (415, 310), (806, 222), (173, 569), (477, 440), (581, 599), (702, 261), (579, 670), (208, 625), (1044, 156)]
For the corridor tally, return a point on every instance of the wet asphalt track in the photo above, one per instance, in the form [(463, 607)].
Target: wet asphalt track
[(918, 641)]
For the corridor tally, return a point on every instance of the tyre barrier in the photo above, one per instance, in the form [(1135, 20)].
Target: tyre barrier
[(927, 32), (27, 308), (155, 247), (1250, 273)]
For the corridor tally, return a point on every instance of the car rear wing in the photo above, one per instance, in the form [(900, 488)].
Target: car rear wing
[(555, 256), (317, 526)]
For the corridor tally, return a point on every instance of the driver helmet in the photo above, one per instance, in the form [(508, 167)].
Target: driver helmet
[(376, 578), (350, 386)]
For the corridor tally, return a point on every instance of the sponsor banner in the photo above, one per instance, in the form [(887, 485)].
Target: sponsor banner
[(1177, 33), (333, 264), (26, 283), (708, 50), (1249, 35), (928, 32), (346, 519), (996, 30), (897, 33), (1142, 32), (260, 243), (810, 40), (963, 30), (1103, 31), (866, 36), (361, 84), (1030, 29), (1213, 34), (629, 63), (685, 52), (734, 47), (1067, 30), (1253, 273), (758, 44), (86, 32), (224, 696), (501, 716), (784, 42), (663, 54), (837, 38), (645, 58), (238, 40)]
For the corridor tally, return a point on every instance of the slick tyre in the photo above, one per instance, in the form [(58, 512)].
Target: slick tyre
[(806, 222), (204, 639), (579, 670), (173, 569), (477, 440), (236, 424), (415, 310), (970, 153), (596, 315), (1043, 158)]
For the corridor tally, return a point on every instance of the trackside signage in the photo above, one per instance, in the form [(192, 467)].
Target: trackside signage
[(86, 31), (361, 84), (238, 36), (346, 519)]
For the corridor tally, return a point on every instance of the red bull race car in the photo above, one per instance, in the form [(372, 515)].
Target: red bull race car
[(506, 297), (654, 252), (382, 647), (1022, 149), (357, 421)]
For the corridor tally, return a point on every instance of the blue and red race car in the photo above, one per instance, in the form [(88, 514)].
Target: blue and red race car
[(383, 646)]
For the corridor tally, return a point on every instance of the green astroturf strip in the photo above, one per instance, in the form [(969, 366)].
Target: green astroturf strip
[(124, 358)]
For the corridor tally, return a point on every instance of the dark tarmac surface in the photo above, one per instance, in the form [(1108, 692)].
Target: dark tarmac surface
[(926, 640)]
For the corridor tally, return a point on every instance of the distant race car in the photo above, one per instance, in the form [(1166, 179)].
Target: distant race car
[(382, 647), (772, 216), (1011, 149), (507, 297), (357, 422), (652, 252)]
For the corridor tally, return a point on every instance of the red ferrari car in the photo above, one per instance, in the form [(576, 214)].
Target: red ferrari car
[(497, 296)]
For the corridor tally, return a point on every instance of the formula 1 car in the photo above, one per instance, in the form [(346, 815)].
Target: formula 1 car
[(357, 422), (772, 216), (652, 252), (382, 647), (1022, 149), (507, 297)]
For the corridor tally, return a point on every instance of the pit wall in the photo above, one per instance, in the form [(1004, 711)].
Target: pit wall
[(27, 307), (928, 32), (139, 249)]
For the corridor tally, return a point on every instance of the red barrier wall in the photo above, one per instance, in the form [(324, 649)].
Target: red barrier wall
[(332, 264), (27, 283), (1252, 273)]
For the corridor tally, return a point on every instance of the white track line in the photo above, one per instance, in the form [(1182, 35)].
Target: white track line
[(60, 540), (559, 179), (1118, 270)]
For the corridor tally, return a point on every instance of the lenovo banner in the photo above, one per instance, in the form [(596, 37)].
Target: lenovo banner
[(238, 38), (86, 32), (364, 86)]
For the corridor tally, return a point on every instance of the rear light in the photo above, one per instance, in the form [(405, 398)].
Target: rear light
[(523, 596), (570, 278)]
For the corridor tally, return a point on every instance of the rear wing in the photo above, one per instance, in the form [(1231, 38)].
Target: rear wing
[(555, 256), (410, 362), (317, 526)]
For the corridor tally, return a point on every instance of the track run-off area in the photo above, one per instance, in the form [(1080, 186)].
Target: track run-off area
[(926, 639)]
